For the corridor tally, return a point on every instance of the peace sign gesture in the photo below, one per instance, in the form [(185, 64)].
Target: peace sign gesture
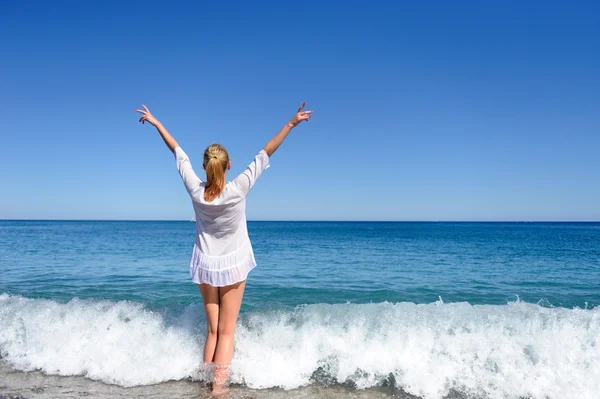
[(300, 116), (147, 116)]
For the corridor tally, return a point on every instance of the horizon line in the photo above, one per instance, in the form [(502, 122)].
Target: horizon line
[(307, 221)]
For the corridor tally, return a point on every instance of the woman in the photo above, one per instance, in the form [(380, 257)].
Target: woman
[(222, 255)]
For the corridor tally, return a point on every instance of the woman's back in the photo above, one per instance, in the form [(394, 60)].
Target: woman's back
[(222, 252), (222, 255), (224, 217)]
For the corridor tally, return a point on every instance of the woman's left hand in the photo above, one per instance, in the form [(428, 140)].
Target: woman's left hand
[(147, 116)]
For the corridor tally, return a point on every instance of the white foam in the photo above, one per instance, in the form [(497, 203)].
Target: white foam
[(507, 351), (119, 343)]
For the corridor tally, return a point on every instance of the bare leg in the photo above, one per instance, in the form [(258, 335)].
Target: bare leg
[(210, 297), (230, 298)]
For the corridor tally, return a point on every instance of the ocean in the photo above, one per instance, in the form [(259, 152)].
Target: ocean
[(333, 309)]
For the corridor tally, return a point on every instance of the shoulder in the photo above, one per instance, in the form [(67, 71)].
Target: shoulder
[(232, 190)]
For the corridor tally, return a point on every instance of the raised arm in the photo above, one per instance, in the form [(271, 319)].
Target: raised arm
[(276, 141), (190, 180), (148, 117)]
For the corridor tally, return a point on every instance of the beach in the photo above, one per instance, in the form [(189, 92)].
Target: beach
[(37, 385), (395, 199), (364, 310)]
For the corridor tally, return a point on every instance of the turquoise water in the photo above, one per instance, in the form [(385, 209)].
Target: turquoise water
[(488, 308), (300, 263)]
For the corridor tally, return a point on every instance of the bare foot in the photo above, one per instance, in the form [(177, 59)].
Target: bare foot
[(219, 390), (219, 384)]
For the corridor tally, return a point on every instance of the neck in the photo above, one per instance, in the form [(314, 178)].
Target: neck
[(213, 183)]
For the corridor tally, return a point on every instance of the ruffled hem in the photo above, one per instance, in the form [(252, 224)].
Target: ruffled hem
[(221, 271), (218, 263)]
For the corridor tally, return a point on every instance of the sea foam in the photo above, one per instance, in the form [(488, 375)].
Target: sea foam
[(492, 351)]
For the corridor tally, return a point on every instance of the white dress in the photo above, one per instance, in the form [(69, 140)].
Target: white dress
[(222, 252)]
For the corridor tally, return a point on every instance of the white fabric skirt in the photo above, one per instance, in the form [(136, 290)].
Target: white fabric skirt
[(221, 271)]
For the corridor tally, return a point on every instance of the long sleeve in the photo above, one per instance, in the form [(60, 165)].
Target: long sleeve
[(246, 180), (190, 180)]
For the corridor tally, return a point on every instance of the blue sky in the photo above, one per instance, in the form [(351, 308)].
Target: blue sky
[(428, 111)]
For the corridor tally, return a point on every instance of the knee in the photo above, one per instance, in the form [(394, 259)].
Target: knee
[(212, 332), (225, 332)]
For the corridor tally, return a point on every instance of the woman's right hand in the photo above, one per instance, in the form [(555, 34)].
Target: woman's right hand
[(147, 116), (300, 116)]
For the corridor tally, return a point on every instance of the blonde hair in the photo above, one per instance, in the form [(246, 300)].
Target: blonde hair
[(216, 160)]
